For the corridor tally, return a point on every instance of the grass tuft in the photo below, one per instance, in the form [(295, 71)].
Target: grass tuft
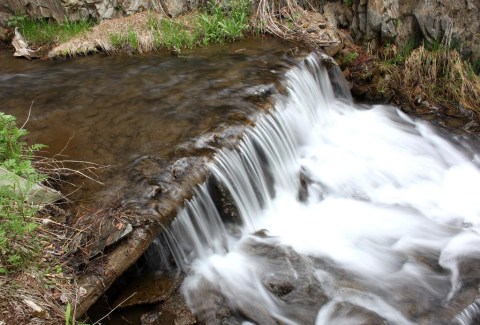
[(44, 32), (443, 76)]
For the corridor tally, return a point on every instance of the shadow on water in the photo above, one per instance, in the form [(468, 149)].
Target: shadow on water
[(113, 110)]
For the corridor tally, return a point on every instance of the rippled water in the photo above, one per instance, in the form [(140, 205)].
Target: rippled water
[(112, 110)]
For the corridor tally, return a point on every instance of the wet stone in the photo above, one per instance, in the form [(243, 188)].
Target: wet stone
[(347, 312), (172, 312), (148, 290), (224, 202), (279, 288)]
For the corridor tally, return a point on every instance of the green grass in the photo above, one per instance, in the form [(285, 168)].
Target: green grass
[(17, 246), (349, 58), (175, 36), (218, 24), (406, 51), (43, 32), (127, 40)]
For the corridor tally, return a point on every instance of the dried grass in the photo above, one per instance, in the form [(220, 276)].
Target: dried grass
[(443, 77), (281, 18), (287, 20), (39, 293), (277, 17), (99, 38)]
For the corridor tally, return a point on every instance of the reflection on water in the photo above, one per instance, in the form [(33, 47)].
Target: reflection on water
[(110, 110)]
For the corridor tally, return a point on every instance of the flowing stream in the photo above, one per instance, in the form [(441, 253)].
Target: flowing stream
[(328, 212), (343, 214)]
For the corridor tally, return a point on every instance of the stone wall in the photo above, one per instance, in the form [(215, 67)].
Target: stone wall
[(374, 21), (58, 10), (400, 21)]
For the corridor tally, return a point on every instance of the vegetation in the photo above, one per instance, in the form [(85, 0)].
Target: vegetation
[(172, 35), (219, 23), (417, 75), (476, 66), (144, 32), (16, 224), (43, 32), (349, 57), (35, 251), (128, 40), (443, 77)]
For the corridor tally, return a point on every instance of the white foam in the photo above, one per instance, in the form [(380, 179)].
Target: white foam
[(385, 195)]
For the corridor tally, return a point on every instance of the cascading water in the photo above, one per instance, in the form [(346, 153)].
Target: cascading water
[(348, 215)]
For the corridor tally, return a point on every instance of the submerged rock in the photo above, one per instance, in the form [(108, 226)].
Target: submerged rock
[(172, 312), (344, 312), (148, 289)]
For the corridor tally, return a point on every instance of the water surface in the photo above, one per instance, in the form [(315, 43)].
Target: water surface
[(112, 110)]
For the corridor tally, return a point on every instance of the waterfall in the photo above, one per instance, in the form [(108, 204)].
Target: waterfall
[(347, 214)]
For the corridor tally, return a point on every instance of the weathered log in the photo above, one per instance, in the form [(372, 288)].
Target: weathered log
[(127, 251), (21, 47)]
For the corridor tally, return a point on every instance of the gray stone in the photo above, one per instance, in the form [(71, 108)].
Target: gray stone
[(399, 21), (74, 10), (37, 194), (174, 8)]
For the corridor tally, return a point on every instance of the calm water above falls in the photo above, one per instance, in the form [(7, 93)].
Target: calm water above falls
[(113, 110), (347, 214)]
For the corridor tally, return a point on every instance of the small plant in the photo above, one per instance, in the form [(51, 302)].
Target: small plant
[(68, 314), (153, 23), (350, 57), (16, 225), (219, 24), (174, 36), (15, 155), (132, 39), (127, 40), (348, 2), (16, 21), (443, 77), (434, 46), (117, 40), (405, 52)]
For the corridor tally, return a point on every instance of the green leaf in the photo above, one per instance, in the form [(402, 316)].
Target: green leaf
[(68, 312)]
